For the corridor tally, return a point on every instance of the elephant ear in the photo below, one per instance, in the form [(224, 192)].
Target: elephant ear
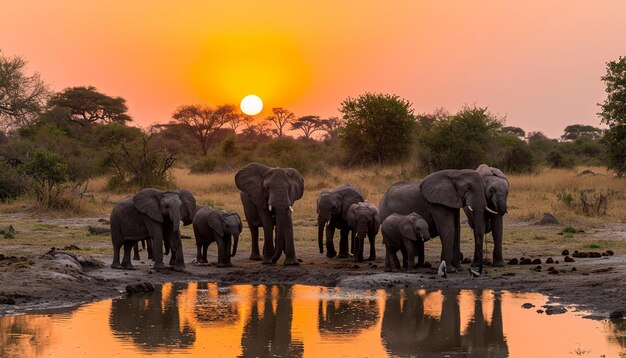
[(351, 215), (240, 223), (188, 209), (249, 180), (439, 188), (296, 186), (376, 219), (147, 202), (407, 230), (216, 221), (324, 192), (485, 170)]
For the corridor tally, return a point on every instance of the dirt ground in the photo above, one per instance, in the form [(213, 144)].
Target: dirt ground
[(34, 277)]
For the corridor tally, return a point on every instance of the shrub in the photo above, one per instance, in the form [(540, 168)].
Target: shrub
[(12, 184), (588, 202), (49, 174)]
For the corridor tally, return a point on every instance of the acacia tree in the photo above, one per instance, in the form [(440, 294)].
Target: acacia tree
[(308, 125), (377, 128), (580, 131), (21, 96), (516, 131), (280, 118), (203, 122), (614, 114), (86, 106)]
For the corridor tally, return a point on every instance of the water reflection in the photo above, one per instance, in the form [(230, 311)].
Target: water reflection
[(205, 319), (152, 321)]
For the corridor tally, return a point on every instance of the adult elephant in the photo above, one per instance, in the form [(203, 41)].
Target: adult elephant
[(267, 195), (153, 215), (438, 199), (332, 213), (496, 193)]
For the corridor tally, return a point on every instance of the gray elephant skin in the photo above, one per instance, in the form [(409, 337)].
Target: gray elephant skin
[(496, 194), (152, 215), (364, 221), (267, 195), (402, 233), (332, 213), (438, 199), (222, 227)]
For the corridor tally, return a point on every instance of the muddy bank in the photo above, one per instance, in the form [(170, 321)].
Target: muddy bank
[(32, 276)]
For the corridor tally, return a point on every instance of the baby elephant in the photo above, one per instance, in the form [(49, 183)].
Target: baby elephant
[(216, 225), (405, 233), (363, 220)]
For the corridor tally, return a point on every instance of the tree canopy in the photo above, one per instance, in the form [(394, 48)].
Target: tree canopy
[(308, 125), (203, 122), (85, 106), (377, 128), (614, 114), (280, 118), (21, 96), (580, 131)]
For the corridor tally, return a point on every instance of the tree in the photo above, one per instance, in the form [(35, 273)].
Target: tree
[(580, 131), (203, 122), (308, 125), (377, 128), (614, 114), (280, 118), (242, 120), (330, 125), (516, 131), (461, 141), (21, 96), (86, 106), (49, 174)]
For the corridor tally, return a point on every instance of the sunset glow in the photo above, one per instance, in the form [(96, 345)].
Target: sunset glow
[(533, 61)]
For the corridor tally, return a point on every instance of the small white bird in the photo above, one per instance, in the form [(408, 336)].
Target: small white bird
[(474, 273), (442, 270)]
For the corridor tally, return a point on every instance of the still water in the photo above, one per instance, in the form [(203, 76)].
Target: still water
[(208, 320)]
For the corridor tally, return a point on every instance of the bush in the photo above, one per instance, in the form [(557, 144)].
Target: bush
[(588, 202), (12, 184), (49, 174), (513, 155)]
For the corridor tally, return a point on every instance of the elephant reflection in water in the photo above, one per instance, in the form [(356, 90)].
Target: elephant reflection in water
[(215, 306), (268, 334), (345, 317), (406, 330), (153, 320)]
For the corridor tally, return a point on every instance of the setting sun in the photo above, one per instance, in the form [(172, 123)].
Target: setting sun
[(251, 105)]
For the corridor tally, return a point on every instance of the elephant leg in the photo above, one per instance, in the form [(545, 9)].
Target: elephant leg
[(405, 258), (444, 220), (136, 251), (410, 256), (352, 242), (497, 231), (330, 245), (205, 248), (254, 239), (372, 237), (177, 260), (198, 252), (290, 250), (128, 246), (221, 261), (118, 242), (227, 248), (456, 248), (388, 261), (148, 242), (395, 262), (156, 236), (343, 243), (420, 253)]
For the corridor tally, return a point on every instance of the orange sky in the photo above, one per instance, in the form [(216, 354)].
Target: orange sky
[(537, 62)]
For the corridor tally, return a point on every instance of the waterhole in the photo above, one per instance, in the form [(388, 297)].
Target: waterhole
[(208, 320)]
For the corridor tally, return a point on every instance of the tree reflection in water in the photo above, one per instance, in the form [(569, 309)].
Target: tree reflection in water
[(268, 333), (346, 316), (215, 305), (407, 330), (152, 321)]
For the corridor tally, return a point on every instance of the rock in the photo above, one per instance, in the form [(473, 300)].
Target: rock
[(553, 272), (610, 252), (98, 230), (548, 219), (568, 259), (555, 310), (9, 232), (513, 262), (139, 288), (104, 221), (537, 269), (556, 262), (6, 301), (71, 247), (466, 260), (537, 262), (185, 237), (587, 172), (528, 305), (508, 274), (581, 255), (526, 262), (355, 267), (617, 315), (300, 260), (594, 254), (573, 269), (549, 260), (427, 264), (540, 311), (565, 252)]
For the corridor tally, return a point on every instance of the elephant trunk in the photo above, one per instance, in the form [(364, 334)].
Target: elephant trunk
[(479, 233), (320, 235), (235, 243), (501, 205), (284, 231), (175, 216)]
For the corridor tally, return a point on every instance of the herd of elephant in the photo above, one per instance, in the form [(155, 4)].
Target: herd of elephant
[(410, 213)]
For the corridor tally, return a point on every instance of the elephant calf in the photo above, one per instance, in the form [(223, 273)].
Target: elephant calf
[(363, 220), (211, 225), (404, 233)]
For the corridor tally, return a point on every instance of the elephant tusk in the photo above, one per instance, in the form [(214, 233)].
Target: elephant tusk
[(270, 207), (290, 208), (470, 208), (491, 211)]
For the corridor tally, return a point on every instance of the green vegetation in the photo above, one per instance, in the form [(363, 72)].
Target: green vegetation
[(614, 114)]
